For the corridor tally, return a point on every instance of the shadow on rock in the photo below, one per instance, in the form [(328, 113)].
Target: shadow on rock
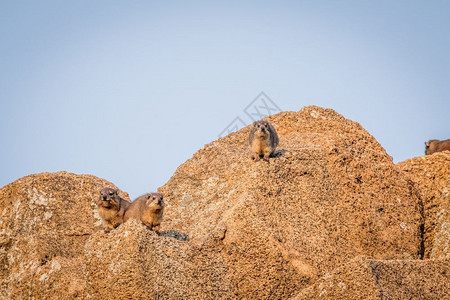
[(175, 234)]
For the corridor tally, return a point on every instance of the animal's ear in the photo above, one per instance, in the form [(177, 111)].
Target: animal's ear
[(427, 144)]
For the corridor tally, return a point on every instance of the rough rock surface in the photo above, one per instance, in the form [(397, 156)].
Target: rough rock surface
[(44, 223), (431, 177), (133, 262), (369, 279)]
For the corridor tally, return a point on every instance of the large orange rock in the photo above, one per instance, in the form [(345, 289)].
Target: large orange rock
[(45, 220), (332, 193), (431, 177)]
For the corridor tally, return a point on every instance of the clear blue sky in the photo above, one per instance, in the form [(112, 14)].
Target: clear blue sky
[(129, 90)]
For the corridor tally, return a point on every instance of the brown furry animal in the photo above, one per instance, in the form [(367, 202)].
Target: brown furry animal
[(148, 209), (433, 146), (111, 208), (263, 140)]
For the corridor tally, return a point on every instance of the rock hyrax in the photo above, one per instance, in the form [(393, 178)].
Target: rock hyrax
[(147, 208), (263, 140), (111, 208), (436, 146)]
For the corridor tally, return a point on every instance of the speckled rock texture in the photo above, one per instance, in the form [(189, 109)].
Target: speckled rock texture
[(233, 228), (133, 262), (370, 279), (431, 177), (45, 220)]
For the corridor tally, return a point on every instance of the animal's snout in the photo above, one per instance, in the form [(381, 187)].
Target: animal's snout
[(104, 197)]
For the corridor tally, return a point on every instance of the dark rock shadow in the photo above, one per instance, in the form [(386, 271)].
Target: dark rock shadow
[(175, 234), (278, 153)]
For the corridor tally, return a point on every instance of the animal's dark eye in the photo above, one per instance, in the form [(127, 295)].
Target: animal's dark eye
[(111, 193)]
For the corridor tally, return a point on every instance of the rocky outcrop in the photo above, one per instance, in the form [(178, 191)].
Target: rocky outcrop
[(330, 200), (330, 194), (431, 177), (45, 221)]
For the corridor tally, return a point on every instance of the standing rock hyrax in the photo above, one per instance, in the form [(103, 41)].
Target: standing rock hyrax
[(263, 140), (147, 208), (436, 146), (111, 208)]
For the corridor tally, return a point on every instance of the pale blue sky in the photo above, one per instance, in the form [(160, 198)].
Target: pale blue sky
[(113, 88)]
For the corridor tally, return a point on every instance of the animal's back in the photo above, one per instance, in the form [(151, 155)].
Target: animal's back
[(433, 146), (136, 208), (443, 146)]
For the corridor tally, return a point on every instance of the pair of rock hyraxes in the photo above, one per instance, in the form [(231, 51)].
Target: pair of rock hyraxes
[(263, 140), (114, 210)]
